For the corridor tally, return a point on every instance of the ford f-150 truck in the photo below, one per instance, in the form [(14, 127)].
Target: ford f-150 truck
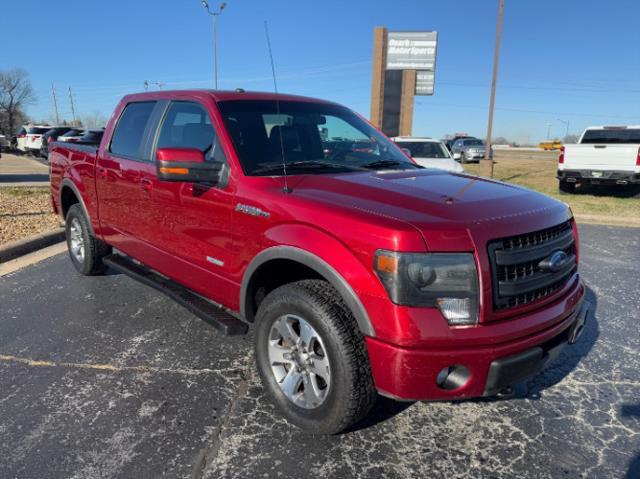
[(608, 155), (361, 272)]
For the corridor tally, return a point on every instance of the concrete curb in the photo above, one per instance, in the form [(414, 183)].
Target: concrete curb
[(14, 249)]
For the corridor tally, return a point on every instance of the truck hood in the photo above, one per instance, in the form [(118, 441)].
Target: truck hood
[(438, 203)]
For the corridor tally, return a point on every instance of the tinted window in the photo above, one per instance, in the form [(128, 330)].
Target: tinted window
[(310, 138), (612, 135), (129, 131), (38, 130), (473, 142), (73, 133), (91, 138), (424, 149), (188, 125)]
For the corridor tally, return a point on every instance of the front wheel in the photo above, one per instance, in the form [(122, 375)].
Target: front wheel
[(85, 250), (312, 357)]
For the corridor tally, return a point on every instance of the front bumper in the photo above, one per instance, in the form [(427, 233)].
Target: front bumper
[(412, 374), (599, 177)]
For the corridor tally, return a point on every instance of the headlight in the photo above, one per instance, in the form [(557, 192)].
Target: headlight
[(448, 281)]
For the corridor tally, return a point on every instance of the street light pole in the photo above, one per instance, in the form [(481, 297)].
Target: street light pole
[(214, 21), (566, 124), (496, 57)]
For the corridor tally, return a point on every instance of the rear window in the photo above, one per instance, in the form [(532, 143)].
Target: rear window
[(424, 149), (127, 137), (37, 131), (612, 135), (73, 133)]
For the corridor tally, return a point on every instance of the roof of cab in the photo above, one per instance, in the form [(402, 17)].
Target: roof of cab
[(220, 95)]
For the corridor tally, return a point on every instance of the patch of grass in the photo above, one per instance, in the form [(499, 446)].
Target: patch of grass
[(614, 205), (16, 191)]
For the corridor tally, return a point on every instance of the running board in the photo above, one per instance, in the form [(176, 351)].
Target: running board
[(205, 310)]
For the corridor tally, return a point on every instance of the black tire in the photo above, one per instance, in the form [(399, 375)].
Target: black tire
[(566, 187), (94, 249), (351, 393)]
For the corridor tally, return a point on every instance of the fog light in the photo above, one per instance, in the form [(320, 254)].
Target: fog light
[(453, 377), (457, 310)]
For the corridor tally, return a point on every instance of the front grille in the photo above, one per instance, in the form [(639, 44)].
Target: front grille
[(518, 277)]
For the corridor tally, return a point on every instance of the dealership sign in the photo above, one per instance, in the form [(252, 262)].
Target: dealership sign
[(414, 51), (411, 50), (424, 82)]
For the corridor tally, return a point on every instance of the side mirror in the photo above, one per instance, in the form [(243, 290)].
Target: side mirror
[(406, 151), (187, 165)]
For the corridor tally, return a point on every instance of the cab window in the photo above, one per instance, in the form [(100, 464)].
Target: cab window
[(188, 125)]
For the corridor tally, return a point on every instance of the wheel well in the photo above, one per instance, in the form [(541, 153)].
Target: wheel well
[(67, 199), (271, 275)]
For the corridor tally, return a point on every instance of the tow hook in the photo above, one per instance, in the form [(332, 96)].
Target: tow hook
[(578, 325)]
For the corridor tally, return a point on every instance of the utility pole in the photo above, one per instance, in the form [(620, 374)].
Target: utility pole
[(73, 108), (146, 85), (214, 19), (55, 103), (496, 58)]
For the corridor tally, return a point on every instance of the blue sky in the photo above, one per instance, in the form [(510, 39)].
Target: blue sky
[(574, 60)]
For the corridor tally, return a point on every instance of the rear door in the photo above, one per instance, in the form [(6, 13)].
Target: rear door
[(123, 171)]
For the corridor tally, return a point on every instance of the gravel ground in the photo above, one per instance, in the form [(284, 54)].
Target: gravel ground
[(25, 212)]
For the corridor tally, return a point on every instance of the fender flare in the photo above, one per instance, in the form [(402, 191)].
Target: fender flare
[(312, 261), (70, 184)]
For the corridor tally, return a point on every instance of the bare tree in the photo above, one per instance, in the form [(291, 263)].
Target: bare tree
[(15, 93), (95, 120)]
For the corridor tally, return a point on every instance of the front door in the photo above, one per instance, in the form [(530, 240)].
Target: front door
[(192, 220)]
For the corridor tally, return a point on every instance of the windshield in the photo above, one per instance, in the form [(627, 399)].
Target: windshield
[(424, 149), (473, 142), (73, 133), (612, 135), (312, 138)]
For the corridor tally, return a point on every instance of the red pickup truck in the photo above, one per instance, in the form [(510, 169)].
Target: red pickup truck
[(362, 272)]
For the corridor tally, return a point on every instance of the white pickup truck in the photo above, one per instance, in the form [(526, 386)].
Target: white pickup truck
[(608, 155)]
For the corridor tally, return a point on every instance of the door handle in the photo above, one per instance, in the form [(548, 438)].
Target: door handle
[(146, 184)]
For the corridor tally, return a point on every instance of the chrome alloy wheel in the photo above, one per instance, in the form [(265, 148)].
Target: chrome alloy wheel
[(299, 361), (76, 240)]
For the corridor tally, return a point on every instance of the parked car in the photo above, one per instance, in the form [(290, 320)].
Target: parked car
[(361, 272), (33, 138), (90, 137), (608, 155), (72, 135), (20, 143), (51, 136), (4, 142), (428, 153), (468, 150), (450, 141)]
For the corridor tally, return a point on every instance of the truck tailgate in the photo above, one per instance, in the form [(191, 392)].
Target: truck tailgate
[(601, 157)]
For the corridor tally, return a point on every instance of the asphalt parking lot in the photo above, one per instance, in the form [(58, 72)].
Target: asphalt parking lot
[(103, 377)]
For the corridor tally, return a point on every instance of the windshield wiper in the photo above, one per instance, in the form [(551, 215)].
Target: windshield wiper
[(300, 165)]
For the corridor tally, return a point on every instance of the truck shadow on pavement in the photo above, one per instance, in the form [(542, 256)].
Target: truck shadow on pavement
[(568, 360), (632, 411)]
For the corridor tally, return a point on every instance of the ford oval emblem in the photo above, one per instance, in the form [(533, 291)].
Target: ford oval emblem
[(554, 262)]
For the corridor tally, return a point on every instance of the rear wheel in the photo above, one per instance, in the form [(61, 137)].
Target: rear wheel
[(566, 187), (85, 250), (312, 358)]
